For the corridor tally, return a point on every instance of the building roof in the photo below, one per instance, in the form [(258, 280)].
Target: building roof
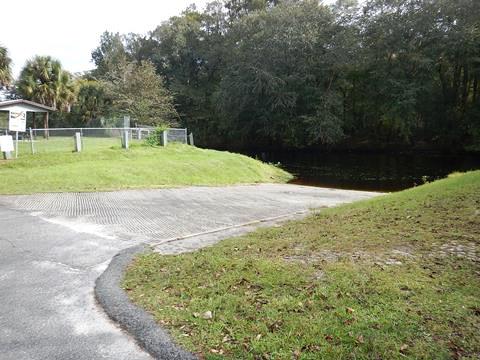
[(27, 104)]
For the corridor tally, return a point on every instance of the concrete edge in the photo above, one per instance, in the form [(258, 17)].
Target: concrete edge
[(246, 225), (134, 320)]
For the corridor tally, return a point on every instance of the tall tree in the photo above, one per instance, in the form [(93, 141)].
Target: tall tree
[(135, 89), (291, 99), (188, 54), (239, 8), (110, 53), (43, 80), (91, 103)]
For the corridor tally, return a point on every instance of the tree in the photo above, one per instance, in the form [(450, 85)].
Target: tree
[(135, 89), (5, 70), (91, 103), (109, 53), (239, 8), (291, 99), (189, 54), (296, 73), (43, 80)]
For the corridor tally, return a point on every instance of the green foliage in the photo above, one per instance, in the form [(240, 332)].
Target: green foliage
[(155, 137), (91, 103), (297, 73), (5, 67), (109, 53), (239, 8), (43, 80), (135, 89)]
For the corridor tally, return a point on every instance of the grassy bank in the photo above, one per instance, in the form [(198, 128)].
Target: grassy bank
[(393, 277), (110, 168)]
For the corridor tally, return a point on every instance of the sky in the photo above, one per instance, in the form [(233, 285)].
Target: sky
[(69, 30)]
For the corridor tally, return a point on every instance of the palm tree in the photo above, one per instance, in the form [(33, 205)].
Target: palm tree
[(44, 81), (65, 92), (5, 71)]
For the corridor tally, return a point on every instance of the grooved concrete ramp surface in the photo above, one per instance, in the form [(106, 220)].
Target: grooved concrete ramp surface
[(54, 246)]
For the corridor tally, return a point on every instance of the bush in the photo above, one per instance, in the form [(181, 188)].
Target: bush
[(155, 137)]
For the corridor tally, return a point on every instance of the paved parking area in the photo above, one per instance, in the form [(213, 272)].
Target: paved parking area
[(54, 246)]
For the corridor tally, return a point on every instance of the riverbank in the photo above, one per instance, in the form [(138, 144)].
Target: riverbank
[(112, 168), (390, 277)]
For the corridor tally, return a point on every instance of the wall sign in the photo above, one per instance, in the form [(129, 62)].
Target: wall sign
[(17, 121)]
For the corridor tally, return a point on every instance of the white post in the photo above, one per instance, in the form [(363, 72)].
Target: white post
[(16, 144), (31, 141), (190, 137), (78, 142), (125, 139), (126, 121), (165, 138)]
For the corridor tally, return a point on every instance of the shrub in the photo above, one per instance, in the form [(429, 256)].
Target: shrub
[(155, 137)]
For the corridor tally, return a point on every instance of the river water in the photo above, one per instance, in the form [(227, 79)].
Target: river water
[(367, 171)]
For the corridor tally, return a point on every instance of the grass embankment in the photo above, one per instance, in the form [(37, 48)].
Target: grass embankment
[(392, 277), (111, 168)]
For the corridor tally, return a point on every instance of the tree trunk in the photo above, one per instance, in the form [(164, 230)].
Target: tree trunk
[(45, 125), (475, 86), (465, 88)]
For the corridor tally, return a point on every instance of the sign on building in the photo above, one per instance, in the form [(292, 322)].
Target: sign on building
[(17, 121)]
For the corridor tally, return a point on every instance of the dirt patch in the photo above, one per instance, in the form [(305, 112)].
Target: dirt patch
[(397, 256), (467, 250), (394, 257)]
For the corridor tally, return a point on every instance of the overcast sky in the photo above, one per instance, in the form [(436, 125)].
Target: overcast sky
[(69, 30)]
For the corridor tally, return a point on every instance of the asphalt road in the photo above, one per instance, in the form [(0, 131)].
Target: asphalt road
[(54, 246)]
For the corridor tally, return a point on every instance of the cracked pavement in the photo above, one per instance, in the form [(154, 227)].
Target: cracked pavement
[(54, 246)]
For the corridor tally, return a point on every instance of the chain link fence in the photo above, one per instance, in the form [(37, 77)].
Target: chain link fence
[(173, 134), (177, 135), (37, 141)]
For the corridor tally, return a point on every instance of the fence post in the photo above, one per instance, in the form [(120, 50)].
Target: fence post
[(16, 144), (31, 141), (125, 138), (164, 137), (78, 142), (139, 134), (190, 138), (126, 121)]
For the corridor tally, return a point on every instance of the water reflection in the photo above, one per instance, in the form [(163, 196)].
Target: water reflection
[(366, 171)]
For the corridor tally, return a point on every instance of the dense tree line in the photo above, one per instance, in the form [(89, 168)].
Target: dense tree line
[(295, 74), (300, 74)]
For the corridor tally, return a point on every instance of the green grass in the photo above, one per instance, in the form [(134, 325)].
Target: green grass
[(393, 277), (105, 166)]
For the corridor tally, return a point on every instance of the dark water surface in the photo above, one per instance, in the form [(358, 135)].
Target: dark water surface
[(366, 171)]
